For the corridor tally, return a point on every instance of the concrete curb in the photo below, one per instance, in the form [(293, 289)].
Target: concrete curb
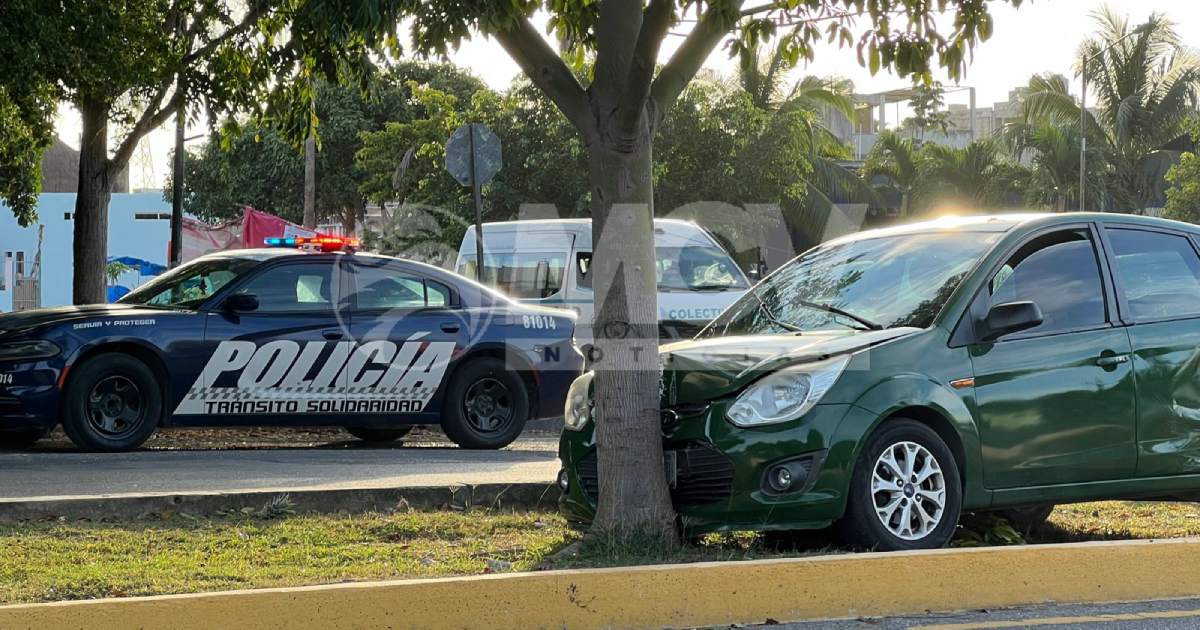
[(519, 496), (705, 594)]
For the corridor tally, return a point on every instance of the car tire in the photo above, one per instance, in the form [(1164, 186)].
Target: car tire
[(378, 436), (887, 514), (486, 405), (15, 440), (113, 402), (1028, 518)]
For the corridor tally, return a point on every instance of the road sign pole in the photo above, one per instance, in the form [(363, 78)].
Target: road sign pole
[(478, 212)]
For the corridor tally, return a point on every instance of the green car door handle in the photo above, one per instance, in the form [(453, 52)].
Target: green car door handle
[(1112, 360)]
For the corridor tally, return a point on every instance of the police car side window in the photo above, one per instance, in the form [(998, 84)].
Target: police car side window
[(293, 288), (381, 288)]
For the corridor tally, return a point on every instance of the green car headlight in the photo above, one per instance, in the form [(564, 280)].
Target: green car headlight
[(27, 350), (577, 411), (786, 394)]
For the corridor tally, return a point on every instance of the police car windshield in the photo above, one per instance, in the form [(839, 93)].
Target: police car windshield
[(869, 283), (189, 285)]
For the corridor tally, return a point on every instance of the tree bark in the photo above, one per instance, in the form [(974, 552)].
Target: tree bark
[(634, 502), (90, 247), (310, 181)]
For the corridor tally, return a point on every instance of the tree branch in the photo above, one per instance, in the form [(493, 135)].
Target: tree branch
[(151, 119), (655, 21), (616, 35), (686, 61), (547, 70), (250, 18)]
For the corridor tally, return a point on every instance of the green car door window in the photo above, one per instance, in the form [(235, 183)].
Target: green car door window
[(1159, 273), (1058, 272)]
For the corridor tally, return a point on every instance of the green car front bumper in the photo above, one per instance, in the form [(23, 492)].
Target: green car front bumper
[(721, 469)]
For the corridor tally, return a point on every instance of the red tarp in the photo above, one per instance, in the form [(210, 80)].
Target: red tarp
[(200, 238)]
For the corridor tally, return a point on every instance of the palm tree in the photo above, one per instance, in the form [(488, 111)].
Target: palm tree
[(1146, 88), (970, 173), (895, 157), (807, 103)]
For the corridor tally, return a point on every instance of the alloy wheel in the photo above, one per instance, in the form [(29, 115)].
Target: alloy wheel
[(908, 490)]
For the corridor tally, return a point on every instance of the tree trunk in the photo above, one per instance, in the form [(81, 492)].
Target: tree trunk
[(90, 247), (310, 181), (634, 502), (904, 204)]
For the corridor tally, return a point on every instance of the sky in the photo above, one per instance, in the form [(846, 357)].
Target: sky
[(1040, 36)]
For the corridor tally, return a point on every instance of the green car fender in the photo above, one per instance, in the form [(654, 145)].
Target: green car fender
[(920, 398)]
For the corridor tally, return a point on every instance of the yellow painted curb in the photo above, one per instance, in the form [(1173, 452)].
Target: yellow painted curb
[(659, 596)]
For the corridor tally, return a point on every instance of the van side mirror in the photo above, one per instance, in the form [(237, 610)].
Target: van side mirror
[(1009, 317), (240, 303)]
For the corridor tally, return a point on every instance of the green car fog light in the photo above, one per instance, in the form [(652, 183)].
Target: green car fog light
[(563, 483), (792, 476), (780, 478)]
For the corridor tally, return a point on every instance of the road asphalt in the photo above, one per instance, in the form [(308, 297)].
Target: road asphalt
[(66, 474), (1168, 614)]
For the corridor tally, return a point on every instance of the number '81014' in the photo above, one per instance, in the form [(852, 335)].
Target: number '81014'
[(541, 322)]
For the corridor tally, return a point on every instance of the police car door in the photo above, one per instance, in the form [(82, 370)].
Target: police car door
[(408, 331), (278, 348)]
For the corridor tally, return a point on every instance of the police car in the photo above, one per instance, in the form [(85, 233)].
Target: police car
[(304, 332)]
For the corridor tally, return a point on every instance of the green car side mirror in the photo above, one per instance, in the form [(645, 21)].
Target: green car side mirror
[(1009, 317)]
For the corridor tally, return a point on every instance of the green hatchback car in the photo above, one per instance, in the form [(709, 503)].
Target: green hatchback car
[(888, 380)]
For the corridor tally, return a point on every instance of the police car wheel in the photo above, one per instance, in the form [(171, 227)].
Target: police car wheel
[(113, 403), (905, 492), (378, 435), (486, 405)]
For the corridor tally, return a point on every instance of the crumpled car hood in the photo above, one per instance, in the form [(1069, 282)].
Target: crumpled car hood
[(710, 368)]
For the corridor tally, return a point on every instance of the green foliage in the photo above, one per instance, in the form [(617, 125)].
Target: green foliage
[(254, 164), (1183, 197), (115, 269), (256, 167), (25, 132), (928, 103), (976, 177), (985, 529), (1145, 89)]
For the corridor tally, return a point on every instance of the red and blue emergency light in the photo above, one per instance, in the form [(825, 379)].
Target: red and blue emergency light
[(323, 243)]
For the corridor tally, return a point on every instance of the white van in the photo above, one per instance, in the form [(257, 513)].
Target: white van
[(546, 262)]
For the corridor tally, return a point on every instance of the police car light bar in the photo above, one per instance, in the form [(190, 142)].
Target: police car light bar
[(323, 243)]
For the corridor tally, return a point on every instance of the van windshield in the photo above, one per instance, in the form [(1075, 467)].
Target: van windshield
[(696, 268), (869, 283)]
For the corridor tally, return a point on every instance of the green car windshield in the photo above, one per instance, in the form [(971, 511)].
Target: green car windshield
[(871, 283), (188, 286)]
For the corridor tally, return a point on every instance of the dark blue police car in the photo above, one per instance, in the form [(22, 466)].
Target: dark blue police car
[(287, 336)]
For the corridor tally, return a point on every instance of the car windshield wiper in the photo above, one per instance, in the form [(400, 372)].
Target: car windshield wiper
[(829, 308), (709, 287), (766, 310)]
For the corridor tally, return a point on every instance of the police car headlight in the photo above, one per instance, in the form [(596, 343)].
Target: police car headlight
[(786, 394), (27, 350), (577, 411)]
